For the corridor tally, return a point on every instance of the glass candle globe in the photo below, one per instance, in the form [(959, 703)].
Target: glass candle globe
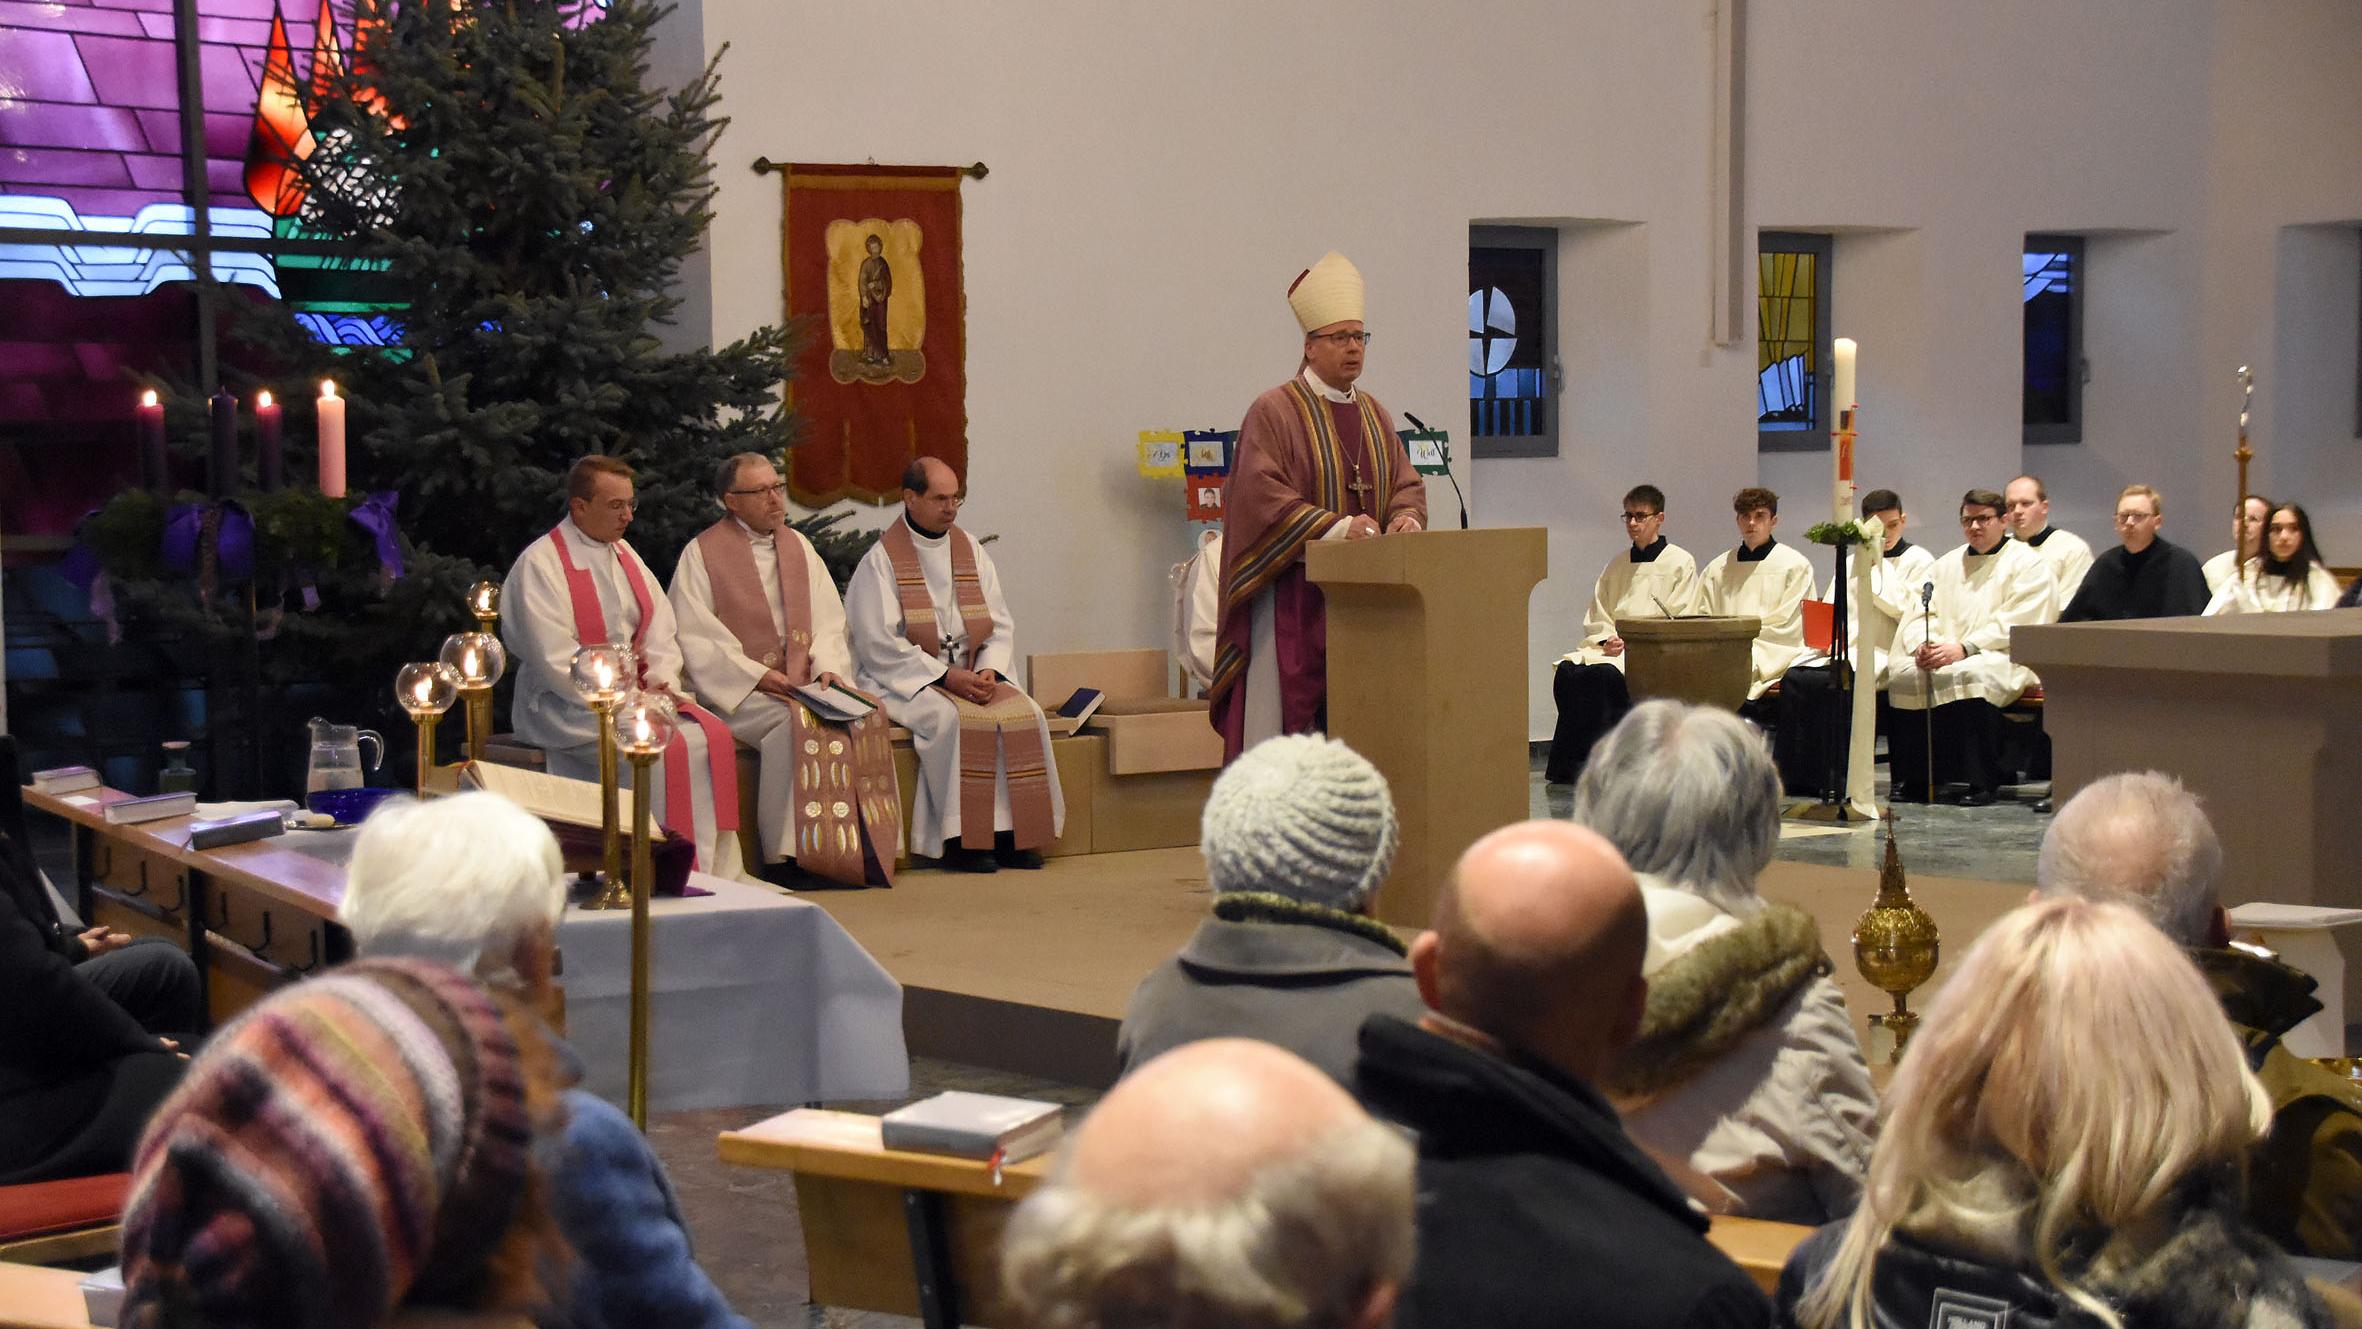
[(483, 599), (478, 656), (426, 688), (645, 724), (602, 673)]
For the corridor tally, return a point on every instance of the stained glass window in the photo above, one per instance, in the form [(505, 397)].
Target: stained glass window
[(1512, 356), (2053, 302), (1791, 340)]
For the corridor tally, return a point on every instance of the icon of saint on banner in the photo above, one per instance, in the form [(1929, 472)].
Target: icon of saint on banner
[(877, 301)]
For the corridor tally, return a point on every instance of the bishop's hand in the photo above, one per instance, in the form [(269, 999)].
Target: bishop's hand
[(1360, 527)]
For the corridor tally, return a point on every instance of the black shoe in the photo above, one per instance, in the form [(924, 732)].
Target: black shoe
[(1974, 797), (785, 874), (960, 858), (2042, 805), (1908, 793), (1024, 859)]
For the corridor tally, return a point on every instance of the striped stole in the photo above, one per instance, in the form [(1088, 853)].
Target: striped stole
[(738, 597)]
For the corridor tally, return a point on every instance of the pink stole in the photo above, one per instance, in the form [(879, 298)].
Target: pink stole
[(1007, 723), (721, 750), (844, 781)]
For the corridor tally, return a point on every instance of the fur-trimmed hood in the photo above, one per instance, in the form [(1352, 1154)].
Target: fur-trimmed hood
[(1714, 979)]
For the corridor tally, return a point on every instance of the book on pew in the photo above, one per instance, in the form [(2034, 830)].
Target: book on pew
[(65, 780), (155, 807), (977, 1126), (834, 704), (1079, 707)]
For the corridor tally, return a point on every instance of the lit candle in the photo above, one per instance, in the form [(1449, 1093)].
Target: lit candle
[(1841, 404), (154, 473), (224, 478), (266, 441), (331, 440)]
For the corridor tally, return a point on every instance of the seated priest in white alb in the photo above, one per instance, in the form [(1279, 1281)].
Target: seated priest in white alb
[(1955, 657), (2026, 508), (582, 585), (2289, 574), (1653, 579), (933, 638), (759, 618), (1762, 579), (2247, 536)]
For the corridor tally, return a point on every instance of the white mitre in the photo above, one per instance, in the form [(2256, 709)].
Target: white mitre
[(1329, 291)]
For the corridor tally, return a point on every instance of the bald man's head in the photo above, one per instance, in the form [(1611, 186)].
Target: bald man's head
[(931, 493), (1537, 942), (1225, 1182)]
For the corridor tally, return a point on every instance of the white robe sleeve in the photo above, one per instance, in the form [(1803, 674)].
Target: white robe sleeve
[(537, 627), (883, 658), (660, 645), (831, 653), (2025, 600), (1000, 651), (720, 671), (1205, 608)]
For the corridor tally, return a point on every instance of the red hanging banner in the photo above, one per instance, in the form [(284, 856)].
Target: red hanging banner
[(871, 260)]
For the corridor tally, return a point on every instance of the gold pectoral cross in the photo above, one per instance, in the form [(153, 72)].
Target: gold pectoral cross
[(1360, 489)]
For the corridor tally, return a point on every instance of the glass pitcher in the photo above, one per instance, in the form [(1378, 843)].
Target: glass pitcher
[(336, 756)]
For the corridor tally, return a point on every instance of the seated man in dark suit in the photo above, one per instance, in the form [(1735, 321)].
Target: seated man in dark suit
[(89, 1027), (1534, 1207)]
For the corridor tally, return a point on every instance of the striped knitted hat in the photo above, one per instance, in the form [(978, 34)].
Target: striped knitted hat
[(1301, 815), (356, 1141)]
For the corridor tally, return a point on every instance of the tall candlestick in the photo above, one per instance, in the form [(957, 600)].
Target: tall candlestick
[(224, 478), (154, 471), (1841, 406), (331, 440), (267, 451)]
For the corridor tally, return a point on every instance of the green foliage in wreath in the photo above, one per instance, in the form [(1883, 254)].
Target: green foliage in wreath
[(1840, 533)]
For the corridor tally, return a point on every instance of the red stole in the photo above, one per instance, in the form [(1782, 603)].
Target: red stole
[(721, 750), (1006, 724), (851, 818)]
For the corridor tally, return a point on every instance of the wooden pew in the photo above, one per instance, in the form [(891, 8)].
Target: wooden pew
[(919, 1234)]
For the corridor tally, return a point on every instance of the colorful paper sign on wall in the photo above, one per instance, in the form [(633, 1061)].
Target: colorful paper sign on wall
[(1208, 471), (1160, 454)]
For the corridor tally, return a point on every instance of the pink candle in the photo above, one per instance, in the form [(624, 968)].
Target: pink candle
[(153, 471), (331, 440), (266, 441)]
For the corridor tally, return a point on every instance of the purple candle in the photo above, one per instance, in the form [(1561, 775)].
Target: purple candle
[(153, 473), (225, 444), (266, 441)]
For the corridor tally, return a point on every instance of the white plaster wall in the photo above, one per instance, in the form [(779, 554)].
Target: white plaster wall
[(1159, 174)]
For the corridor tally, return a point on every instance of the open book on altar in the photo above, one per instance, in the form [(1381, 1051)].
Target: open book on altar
[(549, 797), (834, 704)]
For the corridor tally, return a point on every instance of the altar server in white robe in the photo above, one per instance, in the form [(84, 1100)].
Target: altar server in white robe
[(1802, 743), (1764, 579), (2288, 575), (1654, 578), (2247, 535), (2026, 509), (1954, 655), (759, 617), (933, 638), (583, 584)]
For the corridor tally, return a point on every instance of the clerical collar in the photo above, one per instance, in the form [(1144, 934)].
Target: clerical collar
[(1901, 548), (751, 533), (575, 532), (2036, 540), (1747, 555), (923, 531), (1973, 551), (1649, 554), (1320, 385)]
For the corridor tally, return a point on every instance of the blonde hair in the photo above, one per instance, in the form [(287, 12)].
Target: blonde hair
[(2156, 500), (2076, 1066)]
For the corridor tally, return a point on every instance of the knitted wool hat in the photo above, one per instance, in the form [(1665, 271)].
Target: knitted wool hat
[(355, 1141), (1301, 815)]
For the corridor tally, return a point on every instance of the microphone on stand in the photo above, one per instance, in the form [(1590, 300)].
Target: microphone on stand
[(1446, 450)]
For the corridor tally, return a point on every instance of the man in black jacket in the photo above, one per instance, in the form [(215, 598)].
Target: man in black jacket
[(2146, 575), (1534, 1207), (86, 1046)]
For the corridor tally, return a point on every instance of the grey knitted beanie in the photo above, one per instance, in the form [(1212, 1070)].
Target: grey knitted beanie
[(1303, 816)]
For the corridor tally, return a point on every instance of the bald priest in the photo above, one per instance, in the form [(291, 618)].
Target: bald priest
[(1317, 459)]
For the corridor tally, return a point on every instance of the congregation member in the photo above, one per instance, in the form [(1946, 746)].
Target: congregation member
[(1952, 655), (1763, 579), (1224, 1183), (1801, 740), (932, 637), (1654, 578), (2247, 539), (366, 1142), (584, 585), (2289, 574), (2145, 575), (2062, 1146), (1317, 459), (1297, 835), (91, 1031), (759, 617), (476, 883), (1535, 1207), (2026, 505), (1746, 1082), (2141, 839)]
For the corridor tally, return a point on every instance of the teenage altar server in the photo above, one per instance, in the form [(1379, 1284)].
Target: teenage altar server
[(1763, 579), (1802, 740), (2026, 509), (933, 638), (581, 585), (1655, 578), (2289, 574), (1954, 655), (2247, 533), (759, 618)]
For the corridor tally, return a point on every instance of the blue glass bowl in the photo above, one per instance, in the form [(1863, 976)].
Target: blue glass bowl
[(348, 806)]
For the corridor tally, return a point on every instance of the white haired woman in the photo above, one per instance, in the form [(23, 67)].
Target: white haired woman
[(1747, 1082), (477, 882), (2064, 1143)]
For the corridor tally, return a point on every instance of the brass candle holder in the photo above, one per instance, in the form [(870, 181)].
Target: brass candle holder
[(483, 600), (480, 660), (1896, 946), (426, 690), (643, 727), (601, 676)]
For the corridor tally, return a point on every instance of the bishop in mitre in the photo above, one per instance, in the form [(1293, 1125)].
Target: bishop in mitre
[(932, 637), (581, 585), (760, 618), (1317, 459)]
